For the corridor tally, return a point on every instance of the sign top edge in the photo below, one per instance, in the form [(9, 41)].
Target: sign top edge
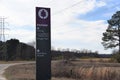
[(44, 7)]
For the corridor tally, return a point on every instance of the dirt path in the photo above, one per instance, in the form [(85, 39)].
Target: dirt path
[(4, 66)]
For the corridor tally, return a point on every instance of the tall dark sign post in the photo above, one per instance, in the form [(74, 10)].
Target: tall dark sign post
[(43, 44)]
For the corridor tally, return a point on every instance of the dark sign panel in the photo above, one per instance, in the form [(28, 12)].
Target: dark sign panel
[(43, 44)]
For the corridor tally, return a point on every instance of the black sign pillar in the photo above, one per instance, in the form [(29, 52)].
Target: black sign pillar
[(43, 44)]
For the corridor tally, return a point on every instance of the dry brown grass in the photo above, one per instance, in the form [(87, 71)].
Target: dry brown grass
[(68, 71), (86, 70), (98, 73), (95, 60), (62, 78)]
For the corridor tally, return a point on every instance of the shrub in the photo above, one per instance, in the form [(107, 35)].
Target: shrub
[(116, 57)]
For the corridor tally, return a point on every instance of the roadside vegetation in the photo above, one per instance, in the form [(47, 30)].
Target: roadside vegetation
[(69, 70)]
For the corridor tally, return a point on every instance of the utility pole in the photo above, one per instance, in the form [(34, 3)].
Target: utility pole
[(2, 36), (2, 29)]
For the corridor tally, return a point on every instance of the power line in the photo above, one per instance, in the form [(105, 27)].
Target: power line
[(105, 9), (79, 3), (68, 7)]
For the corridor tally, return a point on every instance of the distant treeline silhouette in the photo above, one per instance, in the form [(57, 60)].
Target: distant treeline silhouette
[(15, 50), (59, 54)]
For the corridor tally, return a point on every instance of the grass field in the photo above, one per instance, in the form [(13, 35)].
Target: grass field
[(75, 70)]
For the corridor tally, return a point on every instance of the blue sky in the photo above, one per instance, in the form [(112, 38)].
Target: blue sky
[(101, 13), (75, 24)]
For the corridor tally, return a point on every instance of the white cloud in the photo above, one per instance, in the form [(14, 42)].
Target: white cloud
[(80, 35), (22, 34), (101, 4), (80, 30), (66, 28), (75, 33), (19, 12)]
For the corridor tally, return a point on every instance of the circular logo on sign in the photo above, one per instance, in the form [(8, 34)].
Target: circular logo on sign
[(43, 13)]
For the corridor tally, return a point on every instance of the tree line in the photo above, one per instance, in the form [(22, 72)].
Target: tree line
[(71, 55), (13, 49)]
